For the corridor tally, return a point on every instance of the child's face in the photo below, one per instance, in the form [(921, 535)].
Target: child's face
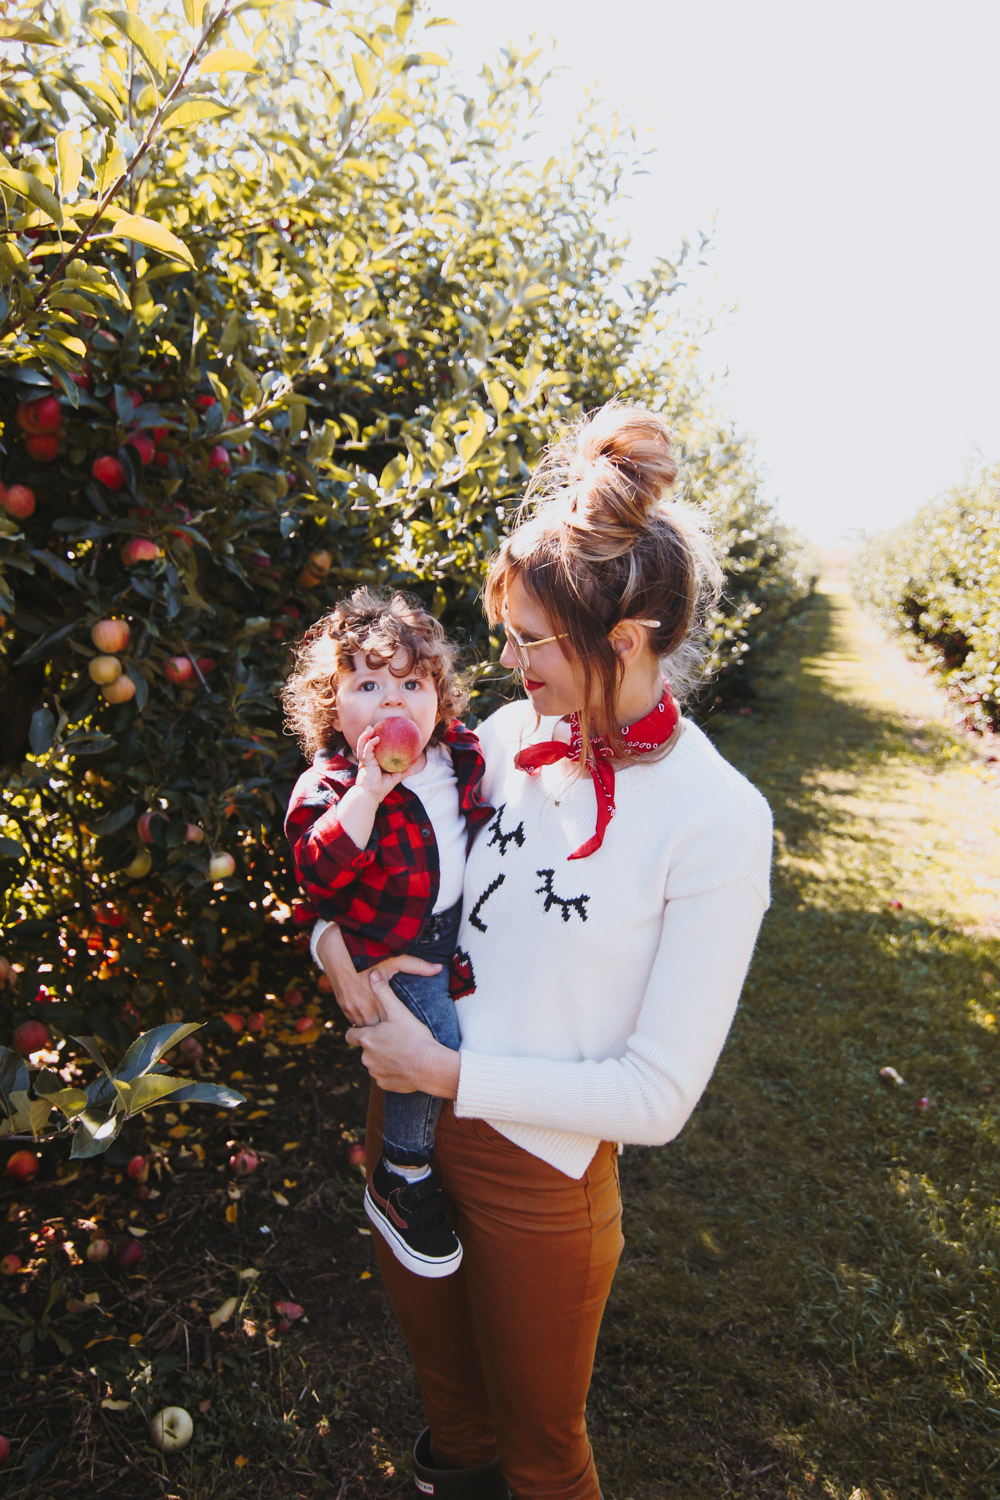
[(370, 694)]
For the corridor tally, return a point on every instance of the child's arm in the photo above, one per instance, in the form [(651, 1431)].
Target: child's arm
[(351, 988)]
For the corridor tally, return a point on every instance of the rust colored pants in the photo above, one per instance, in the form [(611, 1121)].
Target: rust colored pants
[(504, 1348)]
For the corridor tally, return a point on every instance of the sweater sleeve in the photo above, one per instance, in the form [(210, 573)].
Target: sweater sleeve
[(644, 1096), (326, 858)]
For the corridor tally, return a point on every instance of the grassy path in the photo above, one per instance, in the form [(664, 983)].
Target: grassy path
[(809, 1300)]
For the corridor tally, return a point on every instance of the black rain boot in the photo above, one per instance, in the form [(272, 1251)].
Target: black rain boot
[(483, 1483)]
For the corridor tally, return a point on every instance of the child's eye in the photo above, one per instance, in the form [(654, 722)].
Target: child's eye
[(364, 686), (414, 683)]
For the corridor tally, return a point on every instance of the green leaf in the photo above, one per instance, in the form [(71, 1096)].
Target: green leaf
[(148, 1048), (13, 1078), (404, 16), (113, 821), (193, 11), (93, 1046), (498, 396), (208, 1093), (149, 232), (38, 1112), (29, 187), (70, 163), (190, 111), (94, 1132), (153, 1089), (229, 60), (42, 730), (57, 565), (363, 73), (24, 31), (142, 37)]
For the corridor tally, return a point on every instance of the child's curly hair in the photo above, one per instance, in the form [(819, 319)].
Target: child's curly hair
[(379, 625)]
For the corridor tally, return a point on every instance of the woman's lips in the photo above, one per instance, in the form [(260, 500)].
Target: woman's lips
[(531, 686)]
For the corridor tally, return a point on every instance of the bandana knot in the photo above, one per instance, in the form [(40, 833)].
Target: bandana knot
[(646, 734)]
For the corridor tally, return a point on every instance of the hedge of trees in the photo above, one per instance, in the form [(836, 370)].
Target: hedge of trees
[(937, 580), (281, 310)]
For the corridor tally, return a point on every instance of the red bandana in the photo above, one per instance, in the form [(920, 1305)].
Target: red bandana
[(648, 734)]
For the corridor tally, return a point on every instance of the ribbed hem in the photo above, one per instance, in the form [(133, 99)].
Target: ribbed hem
[(485, 1093)]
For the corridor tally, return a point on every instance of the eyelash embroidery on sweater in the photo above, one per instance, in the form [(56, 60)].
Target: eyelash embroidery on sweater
[(501, 838), (474, 913), (551, 899)]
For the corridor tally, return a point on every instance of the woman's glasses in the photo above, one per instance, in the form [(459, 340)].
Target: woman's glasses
[(521, 647)]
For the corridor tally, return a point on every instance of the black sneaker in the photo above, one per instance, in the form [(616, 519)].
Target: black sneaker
[(412, 1219)]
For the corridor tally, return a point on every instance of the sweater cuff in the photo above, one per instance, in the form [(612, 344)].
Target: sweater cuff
[(487, 1088)]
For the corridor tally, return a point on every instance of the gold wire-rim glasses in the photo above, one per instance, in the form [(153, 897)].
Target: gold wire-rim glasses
[(521, 647)]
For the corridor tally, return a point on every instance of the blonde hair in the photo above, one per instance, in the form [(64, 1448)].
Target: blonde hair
[(599, 541), (378, 626)]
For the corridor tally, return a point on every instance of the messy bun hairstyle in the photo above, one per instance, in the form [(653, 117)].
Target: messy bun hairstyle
[(599, 541)]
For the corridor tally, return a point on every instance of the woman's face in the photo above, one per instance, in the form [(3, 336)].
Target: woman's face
[(553, 681)]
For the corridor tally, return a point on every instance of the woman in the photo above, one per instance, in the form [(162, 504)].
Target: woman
[(610, 912)]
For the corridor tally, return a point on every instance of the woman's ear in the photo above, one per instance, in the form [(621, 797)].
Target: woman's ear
[(627, 641)]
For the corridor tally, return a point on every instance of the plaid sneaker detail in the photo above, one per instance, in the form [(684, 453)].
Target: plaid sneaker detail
[(413, 1220)]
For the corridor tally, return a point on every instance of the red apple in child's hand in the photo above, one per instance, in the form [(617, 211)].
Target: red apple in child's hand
[(399, 744)]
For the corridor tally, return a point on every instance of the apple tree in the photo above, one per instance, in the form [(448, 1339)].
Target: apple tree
[(282, 310)]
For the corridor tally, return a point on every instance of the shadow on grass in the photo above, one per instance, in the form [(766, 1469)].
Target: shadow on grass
[(807, 1302)]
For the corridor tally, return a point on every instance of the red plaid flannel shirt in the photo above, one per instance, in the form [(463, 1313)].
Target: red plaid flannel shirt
[(380, 895)]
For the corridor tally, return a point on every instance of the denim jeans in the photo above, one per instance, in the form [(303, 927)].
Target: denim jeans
[(411, 1119)]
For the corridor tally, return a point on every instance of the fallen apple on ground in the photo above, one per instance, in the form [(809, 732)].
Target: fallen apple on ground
[(399, 744), (97, 1250), (10, 1265), (171, 1428)]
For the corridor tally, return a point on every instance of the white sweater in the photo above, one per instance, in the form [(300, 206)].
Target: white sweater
[(605, 986)]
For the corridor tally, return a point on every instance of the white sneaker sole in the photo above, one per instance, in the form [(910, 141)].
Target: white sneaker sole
[(420, 1265)]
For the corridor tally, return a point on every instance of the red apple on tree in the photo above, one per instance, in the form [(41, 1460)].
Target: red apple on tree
[(43, 446), (119, 691), (110, 636), (43, 415), (178, 669), (23, 1166), (19, 501), (193, 834), (219, 458), (10, 1265), (399, 744), (144, 446), (104, 669), (140, 549), (30, 1037), (221, 866), (108, 471)]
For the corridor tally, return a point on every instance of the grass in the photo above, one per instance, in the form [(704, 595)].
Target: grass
[(807, 1305)]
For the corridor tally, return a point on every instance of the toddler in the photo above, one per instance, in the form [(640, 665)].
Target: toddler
[(382, 854)]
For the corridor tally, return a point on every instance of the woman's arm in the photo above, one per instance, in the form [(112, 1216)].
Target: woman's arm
[(644, 1096), (351, 986)]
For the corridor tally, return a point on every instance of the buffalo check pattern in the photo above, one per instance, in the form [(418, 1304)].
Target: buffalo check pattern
[(380, 895)]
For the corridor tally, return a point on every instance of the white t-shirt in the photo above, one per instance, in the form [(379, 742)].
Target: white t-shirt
[(437, 787)]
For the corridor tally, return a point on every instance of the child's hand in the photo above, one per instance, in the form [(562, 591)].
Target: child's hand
[(371, 778)]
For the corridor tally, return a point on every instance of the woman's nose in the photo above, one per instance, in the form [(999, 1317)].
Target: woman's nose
[(508, 657)]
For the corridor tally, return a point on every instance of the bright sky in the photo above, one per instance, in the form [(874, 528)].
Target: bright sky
[(848, 154)]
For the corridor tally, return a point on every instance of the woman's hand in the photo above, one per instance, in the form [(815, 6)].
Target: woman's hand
[(352, 990), (399, 1051)]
